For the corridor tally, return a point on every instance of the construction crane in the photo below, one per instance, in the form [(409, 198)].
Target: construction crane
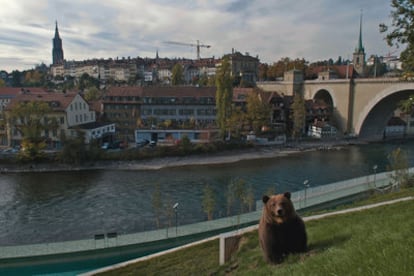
[(198, 45)]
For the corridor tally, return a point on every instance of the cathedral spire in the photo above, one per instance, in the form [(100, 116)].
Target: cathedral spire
[(57, 51), (360, 47), (56, 30), (359, 54)]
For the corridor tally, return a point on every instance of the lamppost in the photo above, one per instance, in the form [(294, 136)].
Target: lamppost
[(306, 184), (375, 167), (175, 207)]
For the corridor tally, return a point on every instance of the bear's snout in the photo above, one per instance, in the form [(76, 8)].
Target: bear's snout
[(280, 211)]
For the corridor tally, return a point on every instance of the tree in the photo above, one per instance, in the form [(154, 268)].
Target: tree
[(86, 81), (74, 150), (92, 94), (32, 123), (209, 201), (33, 78), (177, 75), (16, 78), (236, 193), (399, 168), (258, 111), (2, 83), (403, 31), (238, 122), (298, 115), (224, 95), (407, 106)]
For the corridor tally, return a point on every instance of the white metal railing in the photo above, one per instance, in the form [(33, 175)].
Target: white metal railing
[(302, 199)]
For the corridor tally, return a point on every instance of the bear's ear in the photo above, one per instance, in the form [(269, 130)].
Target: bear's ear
[(287, 194), (265, 199)]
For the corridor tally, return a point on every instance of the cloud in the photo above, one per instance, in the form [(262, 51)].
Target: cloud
[(314, 30)]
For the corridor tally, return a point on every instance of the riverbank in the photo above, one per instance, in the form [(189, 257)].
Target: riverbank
[(156, 163)]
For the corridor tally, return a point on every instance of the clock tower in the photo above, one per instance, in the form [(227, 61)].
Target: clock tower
[(359, 54)]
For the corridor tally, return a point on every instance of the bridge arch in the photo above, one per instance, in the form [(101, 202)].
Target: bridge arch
[(325, 96), (373, 118)]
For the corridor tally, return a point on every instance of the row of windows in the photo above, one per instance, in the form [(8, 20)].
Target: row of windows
[(122, 99), (181, 112), (78, 106), (119, 115), (104, 130), (176, 100), (46, 132), (121, 106), (82, 118), (46, 120)]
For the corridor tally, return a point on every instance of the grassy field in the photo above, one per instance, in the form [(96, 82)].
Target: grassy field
[(378, 241)]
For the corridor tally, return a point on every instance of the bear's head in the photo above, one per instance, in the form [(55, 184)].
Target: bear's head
[(278, 208)]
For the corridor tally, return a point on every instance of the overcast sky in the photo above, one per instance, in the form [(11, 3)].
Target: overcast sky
[(314, 30)]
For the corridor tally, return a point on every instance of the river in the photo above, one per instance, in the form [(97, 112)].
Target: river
[(59, 206)]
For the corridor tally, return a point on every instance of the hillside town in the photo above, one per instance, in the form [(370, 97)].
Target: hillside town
[(132, 101)]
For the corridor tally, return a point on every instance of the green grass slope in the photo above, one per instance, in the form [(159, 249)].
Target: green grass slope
[(378, 241)]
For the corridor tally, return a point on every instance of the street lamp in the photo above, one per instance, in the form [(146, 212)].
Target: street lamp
[(306, 184), (175, 207), (375, 167)]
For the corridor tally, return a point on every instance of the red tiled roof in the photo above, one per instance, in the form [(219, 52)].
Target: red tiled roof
[(14, 91), (63, 100), (162, 91)]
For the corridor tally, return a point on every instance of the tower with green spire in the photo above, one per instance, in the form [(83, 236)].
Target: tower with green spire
[(359, 54)]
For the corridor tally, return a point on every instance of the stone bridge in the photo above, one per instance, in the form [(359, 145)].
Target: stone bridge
[(360, 106)]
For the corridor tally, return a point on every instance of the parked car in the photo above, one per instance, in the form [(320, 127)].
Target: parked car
[(105, 146)]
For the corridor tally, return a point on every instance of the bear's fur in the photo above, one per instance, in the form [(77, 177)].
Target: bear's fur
[(281, 230)]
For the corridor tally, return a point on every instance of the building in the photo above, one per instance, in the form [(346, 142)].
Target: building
[(57, 50), (321, 129), (244, 68), (159, 107), (396, 127), (70, 112), (174, 136), (359, 53), (6, 95)]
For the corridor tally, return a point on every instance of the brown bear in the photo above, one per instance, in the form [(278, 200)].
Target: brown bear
[(281, 230)]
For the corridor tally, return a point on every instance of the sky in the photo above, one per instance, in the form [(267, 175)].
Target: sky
[(270, 29)]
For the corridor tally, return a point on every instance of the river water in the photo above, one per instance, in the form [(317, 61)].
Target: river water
[(49, 207)]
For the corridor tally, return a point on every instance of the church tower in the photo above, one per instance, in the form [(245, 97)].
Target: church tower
[(359, 54), (57, 51)]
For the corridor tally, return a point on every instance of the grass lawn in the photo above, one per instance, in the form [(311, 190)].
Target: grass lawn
[(378, 241)]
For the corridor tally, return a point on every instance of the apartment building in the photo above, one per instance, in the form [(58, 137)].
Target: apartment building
[(71, 112), (165, 107)]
